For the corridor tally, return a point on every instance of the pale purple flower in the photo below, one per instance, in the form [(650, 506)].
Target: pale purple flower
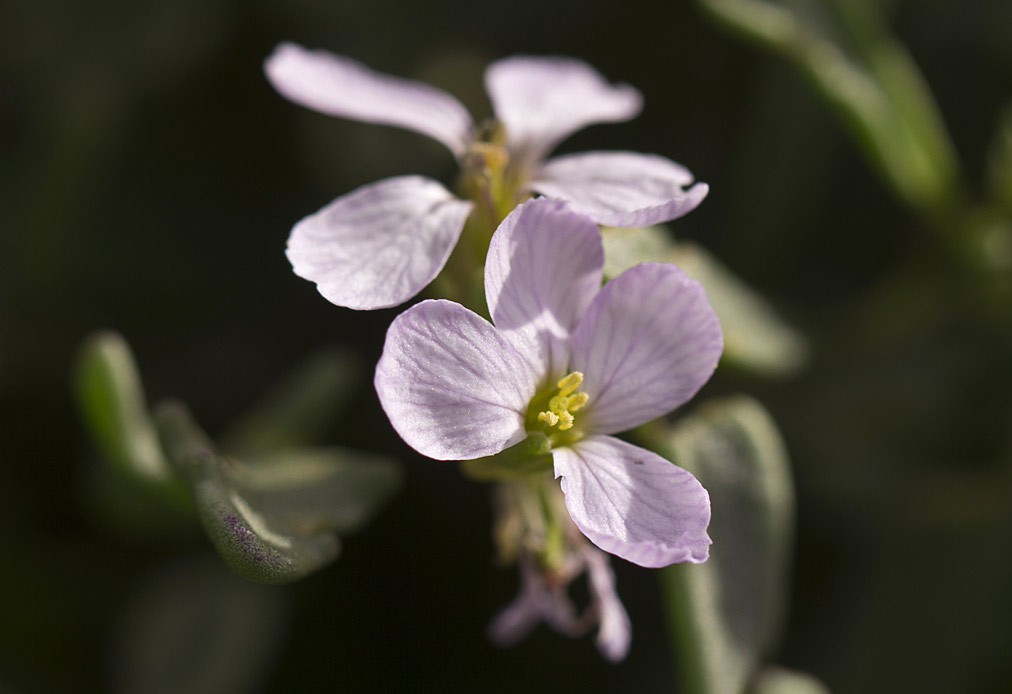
[(381, 244), (570, 362), (544, 598)]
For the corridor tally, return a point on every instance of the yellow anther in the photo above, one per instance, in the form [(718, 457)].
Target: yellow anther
[(565, 421), (577, 400), (549, 418), (569, 383)]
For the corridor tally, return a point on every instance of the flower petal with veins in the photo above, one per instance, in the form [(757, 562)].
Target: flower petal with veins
[(339, 86), (379, 245), (452, 386), (633, 503), (621, 189)]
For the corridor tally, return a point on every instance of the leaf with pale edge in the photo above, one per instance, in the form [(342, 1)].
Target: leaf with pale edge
[(275, 519), (727, 613)]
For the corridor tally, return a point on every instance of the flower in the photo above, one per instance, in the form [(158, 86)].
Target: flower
[(544, 598), (379, 245), (533, 529), (565, 364)]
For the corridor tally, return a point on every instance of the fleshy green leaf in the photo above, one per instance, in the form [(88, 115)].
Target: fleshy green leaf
[(755, 337), (298, 411), (111, 399), (195, 627), (867, 77), (302, 490), (274, 520), (726, 614)]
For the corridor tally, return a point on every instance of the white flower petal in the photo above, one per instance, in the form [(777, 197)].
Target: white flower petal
[(452, 386), (541, 101), (543, 269), (648, 342), (633, 503), (622, 189), (340, 86), (379, 245)]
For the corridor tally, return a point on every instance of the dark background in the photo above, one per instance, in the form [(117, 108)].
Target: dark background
[(149, 178)]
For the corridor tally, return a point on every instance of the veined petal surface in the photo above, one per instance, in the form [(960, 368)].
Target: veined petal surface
[(542, 271), (633, 503), (648, 342), (622, 189), (541, 101), (379, 245), (452, 386), (340, 86)]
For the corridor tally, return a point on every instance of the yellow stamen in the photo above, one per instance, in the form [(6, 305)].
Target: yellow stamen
[(549, 418), (569, 383), (561, 407), (577, 400)]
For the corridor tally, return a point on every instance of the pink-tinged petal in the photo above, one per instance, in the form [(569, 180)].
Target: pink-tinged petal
[(536, 603), (648, 342), (542, 271), (541, 101), (452, 386), (379, 245), (633, 503), (343, 87), (614, 634), (622, 189)]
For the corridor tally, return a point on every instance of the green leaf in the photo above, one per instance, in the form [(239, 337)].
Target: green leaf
[(755, 337), (300, 410), (845, 50), (727, 614), (274, 520), (777, 680), (110, 396), (304, 490), (197, 628), (628, 246)]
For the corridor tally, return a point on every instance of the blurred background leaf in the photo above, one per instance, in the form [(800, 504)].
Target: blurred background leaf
[(303, 409), (756, 338), (110, 396), (193, 627), (848, 54), (727, 614), (777, 680)]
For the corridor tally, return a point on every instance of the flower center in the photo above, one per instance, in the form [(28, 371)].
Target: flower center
[(562, 406), (486, 155), (486, 174)]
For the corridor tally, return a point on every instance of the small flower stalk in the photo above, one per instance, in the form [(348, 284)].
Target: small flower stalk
[(534, 531)]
